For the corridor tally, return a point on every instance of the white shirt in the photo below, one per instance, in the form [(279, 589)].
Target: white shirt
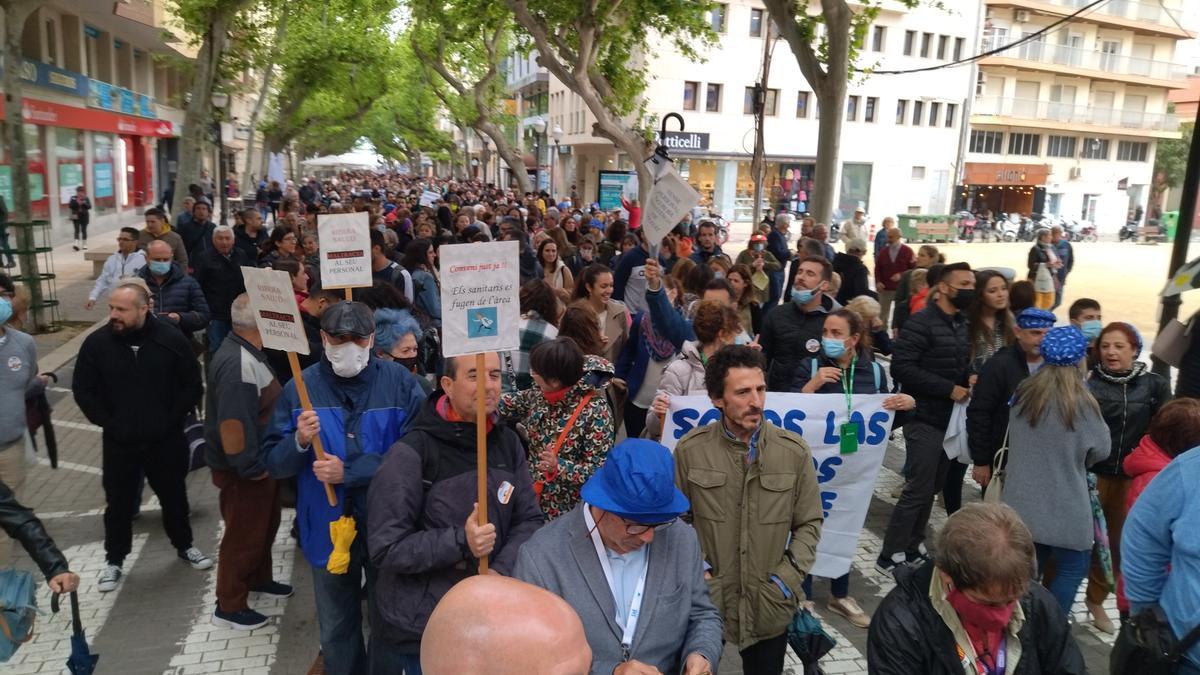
[(116, 268)]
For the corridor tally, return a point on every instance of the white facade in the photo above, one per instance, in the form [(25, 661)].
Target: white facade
[(1077, 112), (887, 172)]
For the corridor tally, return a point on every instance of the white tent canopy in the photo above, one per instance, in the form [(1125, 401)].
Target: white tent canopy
[(351, 160)]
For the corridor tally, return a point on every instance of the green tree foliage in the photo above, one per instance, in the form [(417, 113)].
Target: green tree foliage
[(1170, 160), (600, 50)]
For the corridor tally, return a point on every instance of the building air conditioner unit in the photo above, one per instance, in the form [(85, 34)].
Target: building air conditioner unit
[(1076, 172), (1021, 15)]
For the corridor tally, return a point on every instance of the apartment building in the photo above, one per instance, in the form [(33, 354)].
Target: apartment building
[(900, 142), (1068, 122)]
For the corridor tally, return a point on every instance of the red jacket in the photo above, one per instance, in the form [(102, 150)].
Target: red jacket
[(1143, 464), (885, 268)]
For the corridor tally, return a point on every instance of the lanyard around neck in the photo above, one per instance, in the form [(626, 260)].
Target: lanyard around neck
[(848, 384), (635, 605)]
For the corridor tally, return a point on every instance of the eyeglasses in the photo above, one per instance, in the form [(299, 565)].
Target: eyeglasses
[(635, 529), (125, 239)]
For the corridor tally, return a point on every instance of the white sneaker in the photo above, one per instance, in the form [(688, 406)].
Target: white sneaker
[(109, 578), (196, 559), (850, 609)]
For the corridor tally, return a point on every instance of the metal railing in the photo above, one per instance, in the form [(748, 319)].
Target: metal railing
[(1042, 51), (1067, 113), (1134, 10)]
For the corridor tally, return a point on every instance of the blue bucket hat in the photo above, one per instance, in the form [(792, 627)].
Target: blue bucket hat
[(1035, 318), (1064, 346), (637, 482)]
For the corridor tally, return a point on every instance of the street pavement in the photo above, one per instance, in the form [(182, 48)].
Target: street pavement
[(158, 619)]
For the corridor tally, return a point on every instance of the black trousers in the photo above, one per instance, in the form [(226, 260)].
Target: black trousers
[(926, 467), (165, 467), (766, 657)]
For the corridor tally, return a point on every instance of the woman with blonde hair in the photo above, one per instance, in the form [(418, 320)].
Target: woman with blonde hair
[(868, 308)]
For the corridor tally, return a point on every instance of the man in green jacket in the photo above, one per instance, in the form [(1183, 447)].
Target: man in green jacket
[(756, 508)]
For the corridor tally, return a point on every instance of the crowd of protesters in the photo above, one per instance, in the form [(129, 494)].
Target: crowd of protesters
[(1059, 420)]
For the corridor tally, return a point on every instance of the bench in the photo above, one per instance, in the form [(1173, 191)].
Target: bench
[(937, 231), (98, 256), (1152, 234)]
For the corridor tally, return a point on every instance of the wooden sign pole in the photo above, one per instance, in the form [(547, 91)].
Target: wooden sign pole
[(349, 294), (481, 449), (302, 392)]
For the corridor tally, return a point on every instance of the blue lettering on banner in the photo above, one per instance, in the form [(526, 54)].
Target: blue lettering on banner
[(846, 481)]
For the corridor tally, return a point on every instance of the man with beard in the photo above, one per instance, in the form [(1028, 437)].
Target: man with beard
[(136, 378), (743, 465)]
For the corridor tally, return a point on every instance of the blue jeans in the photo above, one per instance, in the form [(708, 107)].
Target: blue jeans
[(217, 331), (386, 659), (775, 288), (838, 588), (1070, 569), (339, 612)]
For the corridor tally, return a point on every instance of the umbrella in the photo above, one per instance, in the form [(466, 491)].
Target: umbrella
[(342, 533), (809, 641), (82, 660), (1185, 279)]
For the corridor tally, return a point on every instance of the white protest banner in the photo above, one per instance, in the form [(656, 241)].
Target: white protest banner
[(429, 198), (847, 482), (670, 199), (480, 306), (275, 311), (345, 249)]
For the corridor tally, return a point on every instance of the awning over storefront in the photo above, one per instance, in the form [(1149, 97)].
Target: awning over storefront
[(71, 117)]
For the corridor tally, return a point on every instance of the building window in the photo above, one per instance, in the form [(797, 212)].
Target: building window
[(926, 39), (987, 142), (878, 33), (918, 173), (712, 98), (802, 104), (1094, 148), (1024, 144), (756, 22), (901, 111), (869, 111), (943, 42), (910, 36), (1060, 146), (851, 108), (690, 91), (716, 17), (918, 113), (770, 108), (958, 49), (1132, 151), (951, 113), (935, 113)]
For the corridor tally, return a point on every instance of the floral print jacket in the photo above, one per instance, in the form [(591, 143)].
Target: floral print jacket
[(586, 445)]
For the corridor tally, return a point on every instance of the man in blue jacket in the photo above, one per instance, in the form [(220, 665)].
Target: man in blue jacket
[(361, 406)]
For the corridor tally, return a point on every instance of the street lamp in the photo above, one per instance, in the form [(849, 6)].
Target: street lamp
[(219, 101), (557, 135), (539, 130)]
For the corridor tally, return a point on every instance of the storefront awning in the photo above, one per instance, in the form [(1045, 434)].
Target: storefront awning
[(57, 115)]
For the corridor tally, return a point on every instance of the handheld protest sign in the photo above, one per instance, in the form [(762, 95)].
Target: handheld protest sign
[(669, 201), (345, 250), (278, 318), (480, 313), (429, 198)]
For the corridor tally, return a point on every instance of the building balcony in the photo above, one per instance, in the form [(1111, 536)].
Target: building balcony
[(1048, 115), (1144, 17), (1093, 64)]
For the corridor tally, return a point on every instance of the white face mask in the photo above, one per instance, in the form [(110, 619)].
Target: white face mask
[(348, 359)]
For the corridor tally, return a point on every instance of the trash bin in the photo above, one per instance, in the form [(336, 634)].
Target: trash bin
[(1169, 223)]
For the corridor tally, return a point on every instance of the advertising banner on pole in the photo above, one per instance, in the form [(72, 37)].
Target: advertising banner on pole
[(480, 306), (345, 250), (275, 311), (846, 481)]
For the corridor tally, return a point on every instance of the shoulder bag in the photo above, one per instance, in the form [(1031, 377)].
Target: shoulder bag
[(1146, 645), (539, 485), (994, 492), (18, 609)]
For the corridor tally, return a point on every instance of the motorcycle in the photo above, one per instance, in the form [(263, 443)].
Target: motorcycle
[(966, 226), (1010, 227), (1128, 231)]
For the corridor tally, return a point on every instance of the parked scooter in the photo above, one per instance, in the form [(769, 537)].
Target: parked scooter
[(1009, 227), (1128, 231), (966, 225)]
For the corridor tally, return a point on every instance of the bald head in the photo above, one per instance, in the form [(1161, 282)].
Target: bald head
[(501, 626)]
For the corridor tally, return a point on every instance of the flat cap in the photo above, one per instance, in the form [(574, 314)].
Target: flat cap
[(348, 318)]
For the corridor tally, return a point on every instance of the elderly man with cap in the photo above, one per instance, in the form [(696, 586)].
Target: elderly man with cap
[(987, 413), (361, 405), (630, 569)]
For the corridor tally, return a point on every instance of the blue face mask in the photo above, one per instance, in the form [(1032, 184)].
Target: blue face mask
[(741, 339), (803, 296), (718, 274), (5, 310), (1091, 329), (834, 349), (159, 267)]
